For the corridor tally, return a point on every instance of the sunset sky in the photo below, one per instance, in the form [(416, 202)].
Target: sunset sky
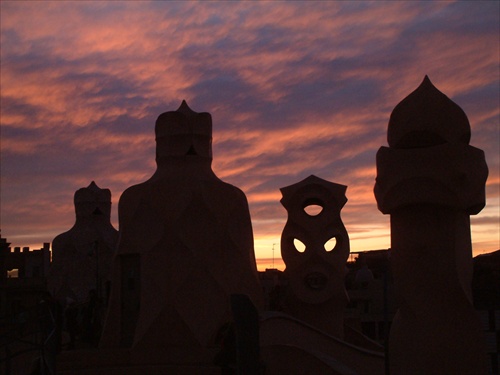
[(294, 89)]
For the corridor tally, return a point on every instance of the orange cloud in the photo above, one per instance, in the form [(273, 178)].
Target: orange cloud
[(294, 89)]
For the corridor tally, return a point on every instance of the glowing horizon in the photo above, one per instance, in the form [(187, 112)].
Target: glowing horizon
[(294, 89)]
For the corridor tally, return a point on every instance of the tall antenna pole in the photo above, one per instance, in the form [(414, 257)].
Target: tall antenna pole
[(273, 254)]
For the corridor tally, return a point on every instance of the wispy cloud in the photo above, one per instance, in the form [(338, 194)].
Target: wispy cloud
[(294, 89)]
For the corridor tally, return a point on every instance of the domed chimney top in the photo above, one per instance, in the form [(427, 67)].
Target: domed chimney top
[(425, 118), (92, 193), (184, 132), (183, 121)]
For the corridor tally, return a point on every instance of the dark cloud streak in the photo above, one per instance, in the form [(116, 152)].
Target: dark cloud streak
[(294, 89)]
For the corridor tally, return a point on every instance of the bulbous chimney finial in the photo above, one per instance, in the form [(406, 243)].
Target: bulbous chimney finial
[(425, 118)]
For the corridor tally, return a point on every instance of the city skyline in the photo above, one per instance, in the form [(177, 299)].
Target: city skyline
[(294, 89)]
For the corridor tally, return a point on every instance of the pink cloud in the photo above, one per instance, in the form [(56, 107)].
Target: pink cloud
[(294, 89)]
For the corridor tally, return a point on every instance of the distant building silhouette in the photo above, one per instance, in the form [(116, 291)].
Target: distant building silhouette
[(23, 275), (486, 293)]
